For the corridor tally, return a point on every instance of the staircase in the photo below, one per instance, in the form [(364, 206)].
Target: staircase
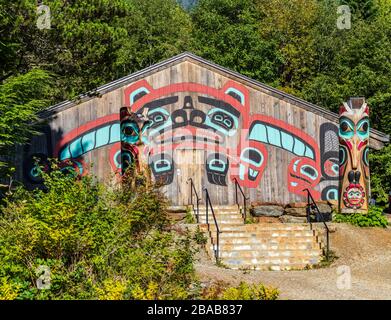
[(267, 246)]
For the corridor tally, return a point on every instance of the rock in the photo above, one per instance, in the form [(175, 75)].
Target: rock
[(324, 208), (177, 209), (260, 204), (296, 205), (176, 216), (267, 211), (297, 212), (265, 219), (292, 219)]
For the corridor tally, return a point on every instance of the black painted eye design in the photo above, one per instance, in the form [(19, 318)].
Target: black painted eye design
[(223, 120), (365, 156), (157, 118), (342, 155)]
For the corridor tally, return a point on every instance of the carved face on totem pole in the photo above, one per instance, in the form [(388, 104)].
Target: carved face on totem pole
[(132, 152), (353, 154)]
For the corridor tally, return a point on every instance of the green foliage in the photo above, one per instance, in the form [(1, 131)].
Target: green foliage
[(21, 97), (380, 162), (244, 291), (199, 237), (227, 32), (374, 218), (189, 217), (98, 243)]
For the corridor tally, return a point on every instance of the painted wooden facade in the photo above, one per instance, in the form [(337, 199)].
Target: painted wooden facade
[(208, 123)]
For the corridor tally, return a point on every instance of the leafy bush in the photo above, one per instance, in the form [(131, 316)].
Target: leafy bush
[(244, 291), (374, 218), (97, 243)]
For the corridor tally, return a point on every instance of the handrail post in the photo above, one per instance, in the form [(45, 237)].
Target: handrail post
[(218, 245), (310, 201), (206, 200), (198, 211), (236, 193), (245, 209)]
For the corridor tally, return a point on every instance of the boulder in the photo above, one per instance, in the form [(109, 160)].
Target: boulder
[(267, 211), (261, 203), (176, 216), (296, 205), (265, 219), (292, 219), (324, 208), (297, 212)]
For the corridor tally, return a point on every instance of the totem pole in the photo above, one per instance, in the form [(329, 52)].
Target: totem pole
[(353, 156), (133, 158)]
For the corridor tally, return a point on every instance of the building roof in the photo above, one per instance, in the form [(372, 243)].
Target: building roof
[(381, 137)]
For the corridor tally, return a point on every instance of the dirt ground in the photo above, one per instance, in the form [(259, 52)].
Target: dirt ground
[(366, 253)]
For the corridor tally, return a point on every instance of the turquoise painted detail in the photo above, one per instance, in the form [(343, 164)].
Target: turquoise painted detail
[(75, 148), (313, 177), (299, 148), (361, 132), (287, 141), (136, 92), (88, 141), (209, 123), (117, 164), (102, 136), (309, 153), (347, 134), (215, 167), (65, 154), (256, 164), (295, 165), (241, 172), (253, 173), (332, 194), (115, 133), (162, 168), (165, 123), (131, 139), (258, 133), (273, 135), (241, 95)]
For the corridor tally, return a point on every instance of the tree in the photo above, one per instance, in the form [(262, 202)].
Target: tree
[(92, 243), (227, 32), (21, 97)]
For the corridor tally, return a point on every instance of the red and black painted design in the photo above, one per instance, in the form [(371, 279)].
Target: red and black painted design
[(353, 154)]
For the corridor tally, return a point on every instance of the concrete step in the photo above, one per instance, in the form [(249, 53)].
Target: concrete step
[(226, 215), (240, 228), (270, 242), (249, 252), (271, 264), (227, 232), (222, 207), (253, 247), (232, 219)]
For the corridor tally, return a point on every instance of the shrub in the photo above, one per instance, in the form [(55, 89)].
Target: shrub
[(244, 291), (96, 243), (374, 218)]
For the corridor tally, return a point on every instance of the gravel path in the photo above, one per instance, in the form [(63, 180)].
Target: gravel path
[(366, 251)]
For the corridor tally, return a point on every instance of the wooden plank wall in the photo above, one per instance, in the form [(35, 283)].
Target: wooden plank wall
[(273, 186)]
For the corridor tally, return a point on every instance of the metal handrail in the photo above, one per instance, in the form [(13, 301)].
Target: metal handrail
[(207, 204), (238, 187), (311, 204), (196, 209)]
